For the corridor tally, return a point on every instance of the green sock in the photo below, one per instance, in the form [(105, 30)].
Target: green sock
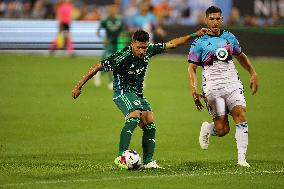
[(126, 133), (148, 142)]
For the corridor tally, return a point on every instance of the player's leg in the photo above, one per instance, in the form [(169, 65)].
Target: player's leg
[(56, 43), (98, 77), (110, 79), (132, 113), (219, 126), (149, 135), (237, 107), (130, 106), (148, 139), (59, 41), (69, 43), (239, 115), (131, 123)]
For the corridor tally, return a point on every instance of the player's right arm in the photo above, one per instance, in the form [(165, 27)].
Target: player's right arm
[(195, 60), (91, 72), (192, 80)]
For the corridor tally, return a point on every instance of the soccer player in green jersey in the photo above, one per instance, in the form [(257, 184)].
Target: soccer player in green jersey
[(129, 67), (113, 26)]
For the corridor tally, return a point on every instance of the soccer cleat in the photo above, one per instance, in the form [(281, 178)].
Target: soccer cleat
[(118, 163), (242, 160), (243, 163), (152, 165), (204, 136)]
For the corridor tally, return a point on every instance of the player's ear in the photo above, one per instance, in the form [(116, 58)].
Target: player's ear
[(206, 19)]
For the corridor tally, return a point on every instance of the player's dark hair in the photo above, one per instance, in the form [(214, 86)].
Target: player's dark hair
[(213, 9), (141, 36)]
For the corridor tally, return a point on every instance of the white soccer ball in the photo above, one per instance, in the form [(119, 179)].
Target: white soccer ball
[(131, 158)]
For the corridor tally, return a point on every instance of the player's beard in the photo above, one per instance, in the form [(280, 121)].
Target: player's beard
[(215, 30)]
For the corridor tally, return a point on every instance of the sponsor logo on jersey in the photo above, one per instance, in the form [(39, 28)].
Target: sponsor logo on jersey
[(136, 102), (137, 71), (222, 54)]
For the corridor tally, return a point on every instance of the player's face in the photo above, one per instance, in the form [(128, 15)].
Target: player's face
[(139, 48), (214, 22)]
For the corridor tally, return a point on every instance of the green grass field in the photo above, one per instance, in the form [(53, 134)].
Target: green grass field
[(49, 140)]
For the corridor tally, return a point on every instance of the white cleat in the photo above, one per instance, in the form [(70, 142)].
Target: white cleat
[(152, 165), (243, 163), (204, 136)]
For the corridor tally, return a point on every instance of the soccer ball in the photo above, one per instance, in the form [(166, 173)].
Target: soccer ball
[(131, 158)]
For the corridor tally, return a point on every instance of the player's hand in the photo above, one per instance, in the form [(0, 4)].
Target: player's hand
[(196, 98), (202, 31), (254, 83), (76, 92)]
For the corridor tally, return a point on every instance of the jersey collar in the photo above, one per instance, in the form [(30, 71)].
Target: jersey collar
[(221, 32)]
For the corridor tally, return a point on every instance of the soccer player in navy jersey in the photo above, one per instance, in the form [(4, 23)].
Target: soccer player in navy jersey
[(222, 89), (129, 66)]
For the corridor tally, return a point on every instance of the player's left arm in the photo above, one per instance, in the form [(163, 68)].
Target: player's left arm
[(244, 61), (174, 43)]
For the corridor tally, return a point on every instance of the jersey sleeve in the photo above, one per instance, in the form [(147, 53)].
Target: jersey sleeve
[(194, 55), (110, 63), (156, 48), (236, 45)]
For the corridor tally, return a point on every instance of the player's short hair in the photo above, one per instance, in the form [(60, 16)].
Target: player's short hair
[(213, 9), (141, 36)]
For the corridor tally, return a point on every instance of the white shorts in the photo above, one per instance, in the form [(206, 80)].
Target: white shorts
[(219, 105)]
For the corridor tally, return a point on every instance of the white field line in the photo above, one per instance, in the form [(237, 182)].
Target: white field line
[(137, 177)]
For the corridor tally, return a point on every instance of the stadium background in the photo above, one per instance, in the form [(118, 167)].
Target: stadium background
[(254, 22), (48, 140)]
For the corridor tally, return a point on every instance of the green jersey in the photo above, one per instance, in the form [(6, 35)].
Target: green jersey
[(113, 27), (128, 70)]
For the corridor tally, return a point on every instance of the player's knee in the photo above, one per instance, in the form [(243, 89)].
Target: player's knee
[(146, 118), (149, 119), (135, 114), (239, 115), (223, 131)]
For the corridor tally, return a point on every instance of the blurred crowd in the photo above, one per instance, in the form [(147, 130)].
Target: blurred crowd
[(166, 12)]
